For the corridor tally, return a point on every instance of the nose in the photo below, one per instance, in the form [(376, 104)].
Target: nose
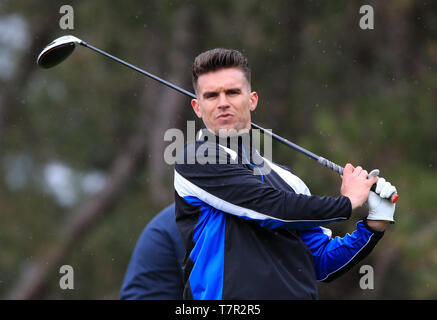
[(223, 102)]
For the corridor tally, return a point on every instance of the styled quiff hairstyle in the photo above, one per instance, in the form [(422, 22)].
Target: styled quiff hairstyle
[(217, 59)]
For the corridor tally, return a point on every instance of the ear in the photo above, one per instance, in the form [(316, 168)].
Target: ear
[(196, 107), (253, 101)]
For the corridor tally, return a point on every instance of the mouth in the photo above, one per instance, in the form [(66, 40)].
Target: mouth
[(225, 116)]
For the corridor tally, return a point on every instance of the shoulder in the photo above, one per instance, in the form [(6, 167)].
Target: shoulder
[(164, 216), (291, 179), (163, 225), (277, 165)]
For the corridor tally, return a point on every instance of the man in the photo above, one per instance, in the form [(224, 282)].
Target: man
[(251, 233), (155, 268)]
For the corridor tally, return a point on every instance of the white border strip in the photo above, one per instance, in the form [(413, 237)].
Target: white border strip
[(185, 188), (292, 180)]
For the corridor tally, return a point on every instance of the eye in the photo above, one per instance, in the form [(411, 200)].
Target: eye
[(233, 92), (210, 95)]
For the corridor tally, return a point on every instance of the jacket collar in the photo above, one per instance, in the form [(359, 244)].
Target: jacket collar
[(242, 144)]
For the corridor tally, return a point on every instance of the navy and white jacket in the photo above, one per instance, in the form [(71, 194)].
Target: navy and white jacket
[(257, 236)]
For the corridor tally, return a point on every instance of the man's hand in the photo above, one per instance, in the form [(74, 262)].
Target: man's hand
[(355, 185), (380, 206)]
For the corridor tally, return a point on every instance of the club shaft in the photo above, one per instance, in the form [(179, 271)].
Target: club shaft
[(148, 74), (329, 164), (193, 96)]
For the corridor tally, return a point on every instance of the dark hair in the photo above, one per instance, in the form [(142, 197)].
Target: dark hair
[(217, 59)]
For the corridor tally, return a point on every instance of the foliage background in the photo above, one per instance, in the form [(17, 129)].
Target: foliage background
[(81, 145)]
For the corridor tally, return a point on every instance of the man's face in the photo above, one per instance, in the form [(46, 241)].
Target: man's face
[(224, 100)]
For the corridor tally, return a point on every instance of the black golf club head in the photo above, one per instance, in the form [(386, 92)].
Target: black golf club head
[(57, 51)]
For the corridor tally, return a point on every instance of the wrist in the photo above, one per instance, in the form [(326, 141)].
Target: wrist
[(376, 225), (354, 204)]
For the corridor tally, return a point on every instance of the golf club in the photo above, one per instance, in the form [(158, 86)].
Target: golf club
[(58, 50)]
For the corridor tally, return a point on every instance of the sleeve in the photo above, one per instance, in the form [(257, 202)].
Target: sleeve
[(335, 256), (155, 271), (235, 189)]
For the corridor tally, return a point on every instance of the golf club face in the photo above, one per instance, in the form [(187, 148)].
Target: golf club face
[(57, 51)]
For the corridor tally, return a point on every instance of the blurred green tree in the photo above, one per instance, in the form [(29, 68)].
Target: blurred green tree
[(351, 95)]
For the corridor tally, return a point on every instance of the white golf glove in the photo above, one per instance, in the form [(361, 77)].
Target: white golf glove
[(380, 206)]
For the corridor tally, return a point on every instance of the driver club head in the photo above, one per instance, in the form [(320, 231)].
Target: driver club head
[(57, 51)]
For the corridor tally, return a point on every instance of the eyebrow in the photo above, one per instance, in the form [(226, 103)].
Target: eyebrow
[(209, 94)]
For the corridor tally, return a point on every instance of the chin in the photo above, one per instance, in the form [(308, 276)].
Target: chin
[(230, 130)]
